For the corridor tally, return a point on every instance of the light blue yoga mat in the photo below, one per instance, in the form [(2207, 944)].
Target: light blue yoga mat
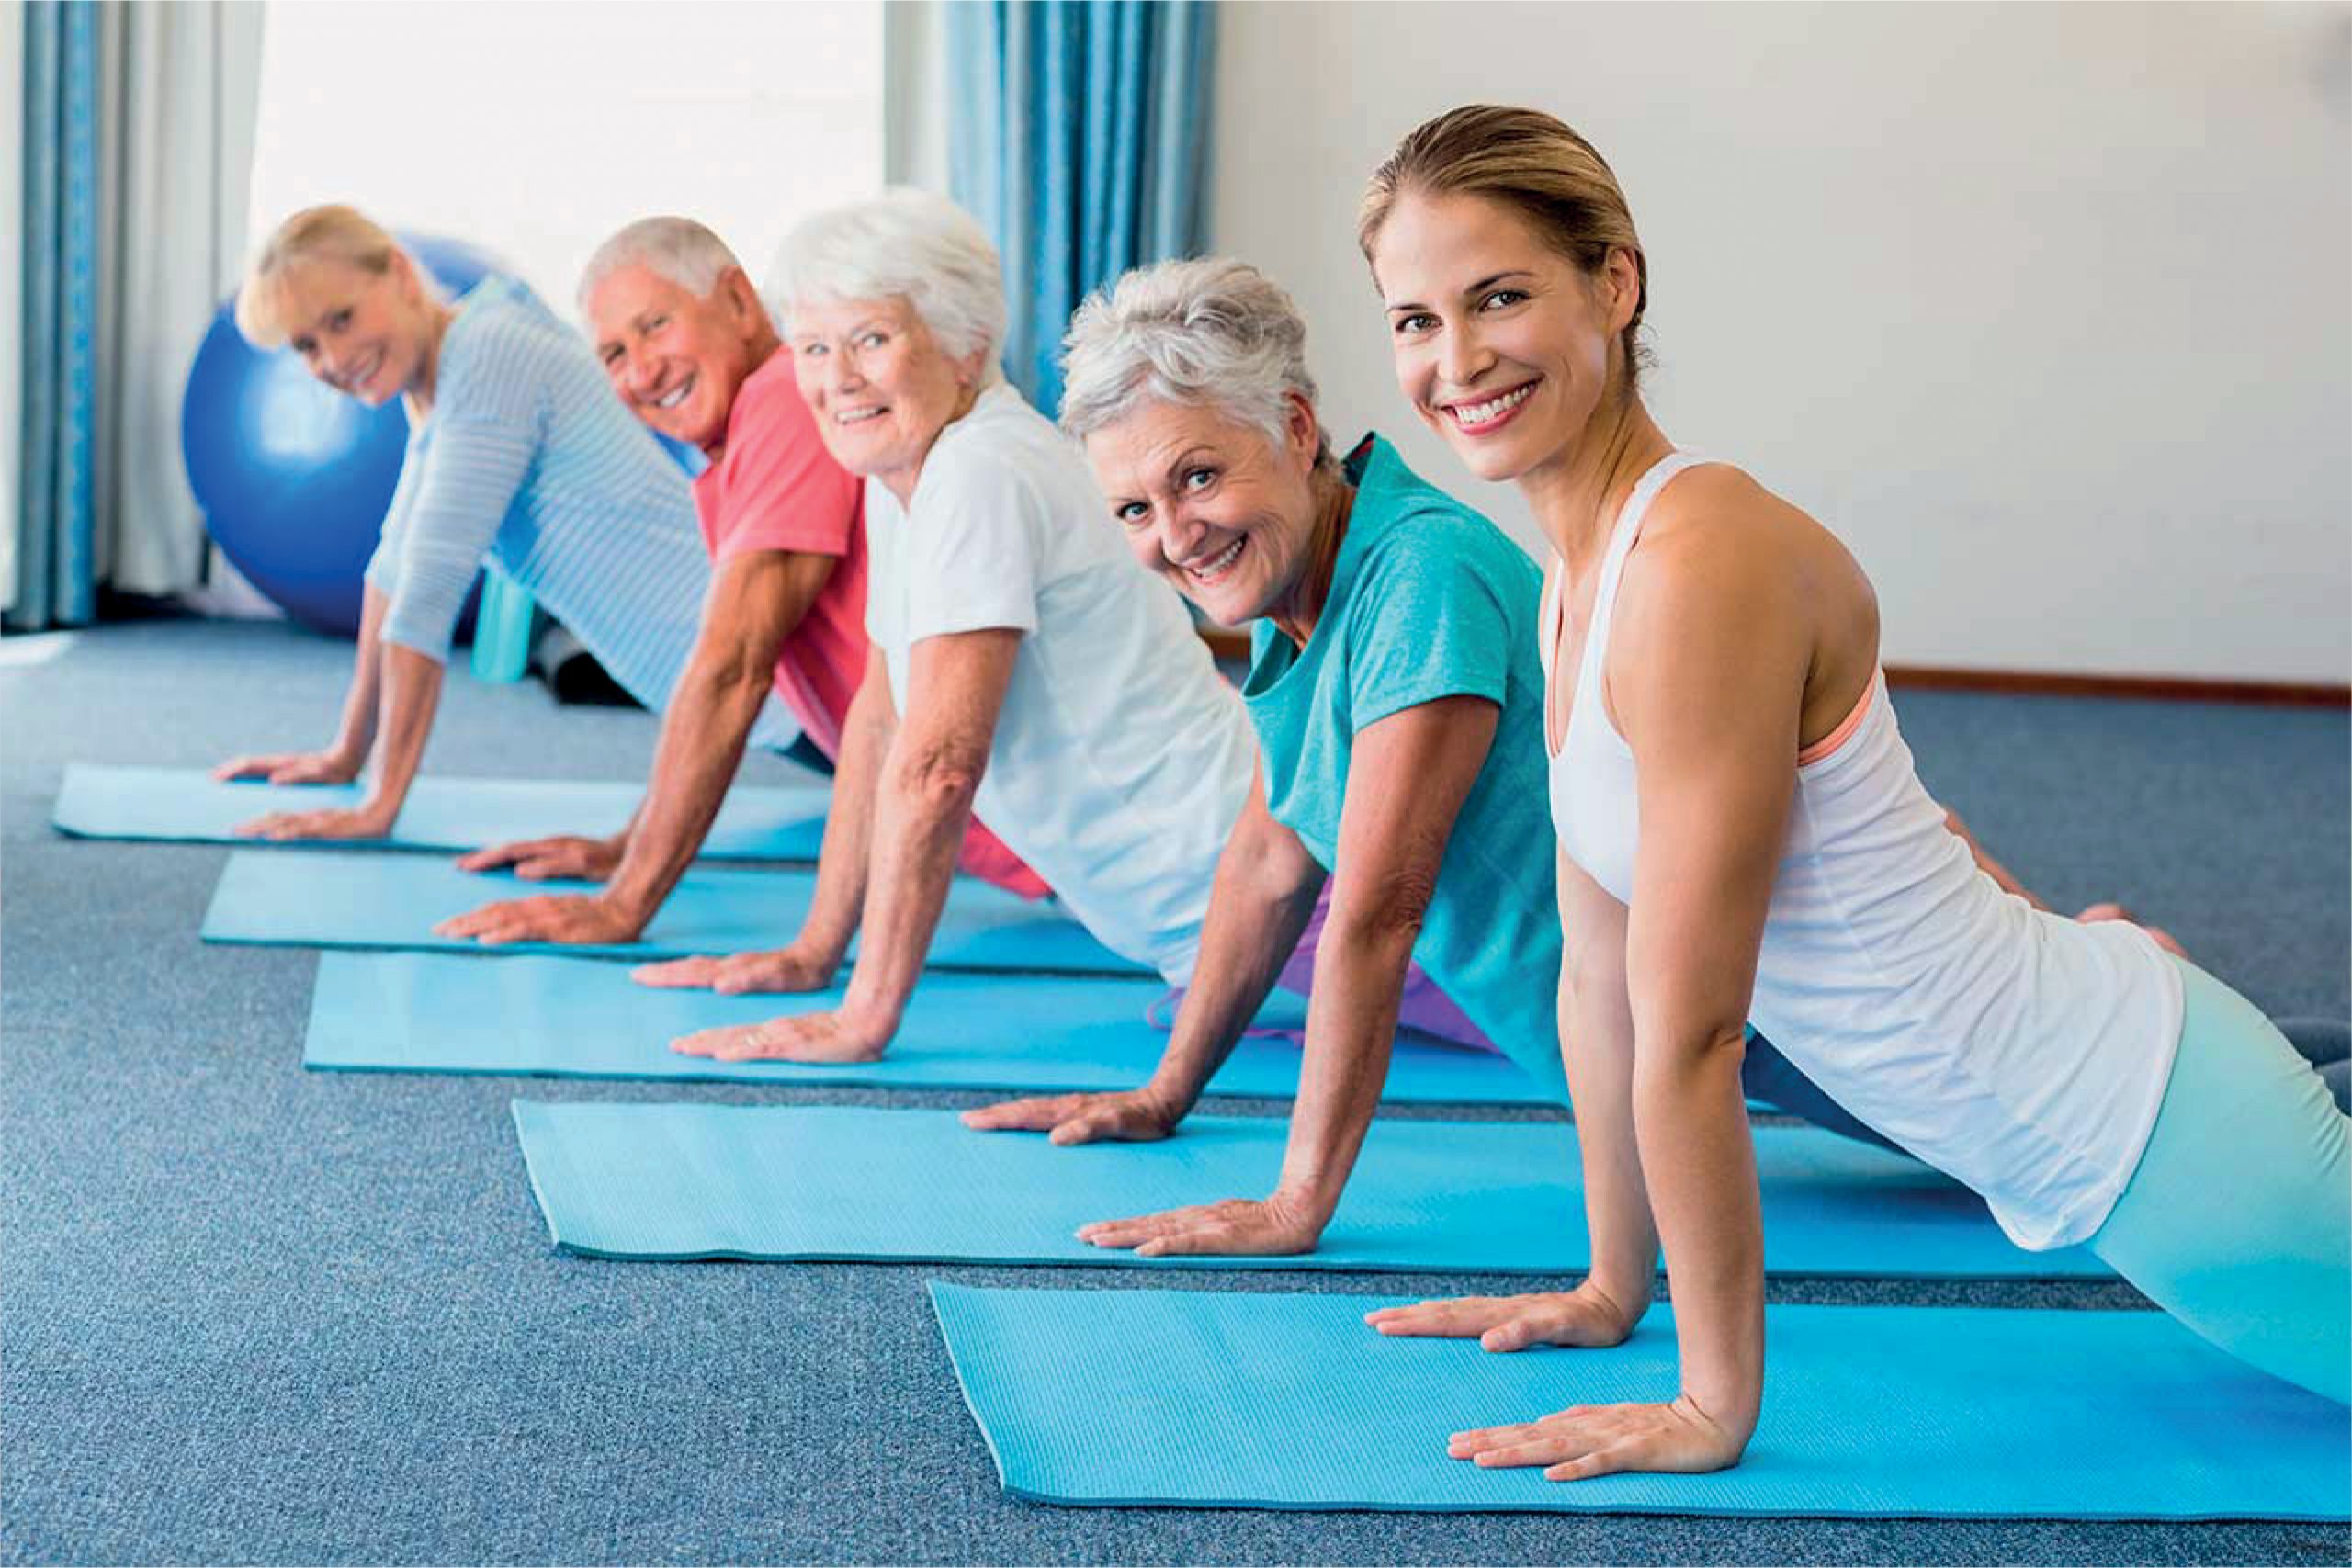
[(188, 805), (576, 1018), (359, 899), (1201, 1399), (787, 1183)]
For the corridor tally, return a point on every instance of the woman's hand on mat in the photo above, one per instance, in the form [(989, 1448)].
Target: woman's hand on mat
[(366, 822), (1586, 1440), (785, 969), (1237, 1227), (328, 767), (1584, 1316), (834, 1036), (564, 858), (1133, 1115), (579, 918)]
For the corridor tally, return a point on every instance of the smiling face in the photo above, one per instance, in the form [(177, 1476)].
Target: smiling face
[(364, 334), (881, 386), (1212, 505), (678, 358), (1502, 345)]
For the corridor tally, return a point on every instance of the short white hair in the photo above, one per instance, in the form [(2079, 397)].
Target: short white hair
[(1210, 333), (678, 248), (907, 244)]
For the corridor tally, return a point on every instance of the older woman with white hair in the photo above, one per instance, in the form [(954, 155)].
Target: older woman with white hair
[(1398, 703), (1019, 663)]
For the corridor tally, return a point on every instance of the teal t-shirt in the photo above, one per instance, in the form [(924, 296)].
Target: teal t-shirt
[(1430, 600)]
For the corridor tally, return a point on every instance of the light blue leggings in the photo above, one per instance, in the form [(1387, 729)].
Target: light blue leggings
[(2238, 1221)]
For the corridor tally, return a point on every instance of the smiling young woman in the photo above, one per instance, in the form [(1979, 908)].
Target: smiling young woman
[(1743, 834)]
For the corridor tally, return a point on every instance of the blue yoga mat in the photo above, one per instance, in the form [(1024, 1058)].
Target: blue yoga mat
[(359, 899), (188, 805), (1200, 1399), (575, 1017), (787, 1183)]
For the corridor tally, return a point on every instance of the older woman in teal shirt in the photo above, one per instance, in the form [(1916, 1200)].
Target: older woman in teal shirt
[(1398, 702)]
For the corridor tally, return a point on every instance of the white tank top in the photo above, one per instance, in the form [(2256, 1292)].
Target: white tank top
[(2022, 1053)]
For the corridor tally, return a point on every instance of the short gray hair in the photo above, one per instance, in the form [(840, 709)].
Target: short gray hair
[(908, 244), (1213, 332), (678, 248)]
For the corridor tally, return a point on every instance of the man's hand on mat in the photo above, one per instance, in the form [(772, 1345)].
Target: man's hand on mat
[(328, 767), (811, 1037), (1583, 1316), (1134, 1115), (565, 858), (549, 917), (785, 969), (368, 822), (1586, 1440), (1237, 1227)]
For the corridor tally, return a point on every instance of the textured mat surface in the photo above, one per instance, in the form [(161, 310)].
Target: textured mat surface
[(431, 1012), (1202, 1399), (254, 1314), (789, 1182), (347, 898), (188, 806)]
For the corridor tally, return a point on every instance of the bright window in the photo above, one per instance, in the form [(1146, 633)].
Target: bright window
[(535, 131)]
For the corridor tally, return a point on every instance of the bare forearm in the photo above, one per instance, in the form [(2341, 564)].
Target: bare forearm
[(701, 746), (1248, 937), (356, 733), (844, 857), (412, 694), (1351, 1031), (918, 828), (1597, 1048), (1699, 1161)]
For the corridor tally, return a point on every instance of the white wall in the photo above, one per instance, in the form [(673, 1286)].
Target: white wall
[(537, 129), (2046, 309)]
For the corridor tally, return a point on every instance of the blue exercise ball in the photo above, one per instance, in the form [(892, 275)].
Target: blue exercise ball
[(292, 476)]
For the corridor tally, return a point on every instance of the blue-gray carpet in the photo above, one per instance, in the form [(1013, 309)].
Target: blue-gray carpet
[(250, 1314)]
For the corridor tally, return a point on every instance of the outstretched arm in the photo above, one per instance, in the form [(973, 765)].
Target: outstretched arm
[(811, 960), (1708, 662), (1597, 1048), (956, 689), (754, 606), (1410, 772), (1258, 905), (449, 504), (346, 754), (410, 685)]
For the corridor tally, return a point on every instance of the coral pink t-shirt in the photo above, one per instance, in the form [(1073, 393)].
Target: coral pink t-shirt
[(775, 488)]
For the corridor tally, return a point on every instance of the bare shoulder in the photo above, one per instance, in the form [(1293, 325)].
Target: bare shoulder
[(1717, 538)]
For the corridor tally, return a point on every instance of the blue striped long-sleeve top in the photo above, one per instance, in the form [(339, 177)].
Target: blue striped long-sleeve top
[(528, 458)]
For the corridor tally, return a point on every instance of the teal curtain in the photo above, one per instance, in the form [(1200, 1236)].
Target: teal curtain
[(56, 533), (1078, 135)]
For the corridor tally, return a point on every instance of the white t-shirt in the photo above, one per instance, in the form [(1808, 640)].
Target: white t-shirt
[(1121, 758)]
